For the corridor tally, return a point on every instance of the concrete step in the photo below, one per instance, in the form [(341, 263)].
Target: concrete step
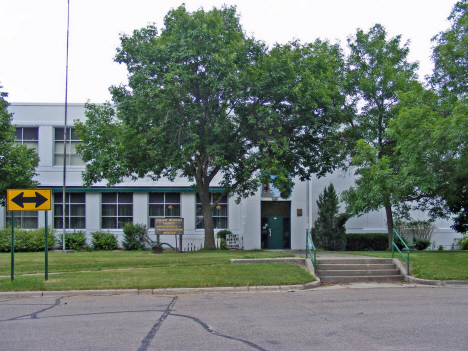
[(357, 273), (358, 270), (371, 260), (368, 279), (343, 266)]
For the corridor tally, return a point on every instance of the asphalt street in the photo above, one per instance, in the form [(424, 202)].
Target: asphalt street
[(343, 318)]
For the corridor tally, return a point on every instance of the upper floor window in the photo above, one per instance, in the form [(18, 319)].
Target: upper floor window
[(220, 213), (163, 205), (72, 140), (27, 136), (117, 209)]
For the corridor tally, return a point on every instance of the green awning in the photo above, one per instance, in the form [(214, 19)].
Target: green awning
[(122, 189)]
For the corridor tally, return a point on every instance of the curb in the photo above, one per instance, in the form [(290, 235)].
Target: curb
[(421, 281), (304, 262), (185, 291), (167, 291)]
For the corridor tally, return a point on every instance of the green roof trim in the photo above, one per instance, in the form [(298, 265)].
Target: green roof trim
[(121, 189)]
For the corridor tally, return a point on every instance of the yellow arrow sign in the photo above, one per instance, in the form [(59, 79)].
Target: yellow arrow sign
[(29, 199)]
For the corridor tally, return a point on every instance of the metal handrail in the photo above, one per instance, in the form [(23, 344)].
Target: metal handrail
[(395, 246), (308, 250)]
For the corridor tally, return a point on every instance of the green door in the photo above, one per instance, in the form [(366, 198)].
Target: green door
[(275, 233)]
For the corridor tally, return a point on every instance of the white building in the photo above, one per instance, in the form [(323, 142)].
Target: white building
[(100, 208)]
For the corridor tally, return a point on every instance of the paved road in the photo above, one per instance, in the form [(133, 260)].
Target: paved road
[(398, 317)]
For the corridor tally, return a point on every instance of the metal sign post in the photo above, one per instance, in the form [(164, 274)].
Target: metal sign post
[(29, 200), (12, 246)]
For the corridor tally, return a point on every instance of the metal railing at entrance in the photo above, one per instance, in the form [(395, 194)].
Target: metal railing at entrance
[(395, 246), (309, 248)]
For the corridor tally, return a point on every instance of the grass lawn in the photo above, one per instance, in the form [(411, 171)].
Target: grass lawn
[(437, 265), (144, 270)]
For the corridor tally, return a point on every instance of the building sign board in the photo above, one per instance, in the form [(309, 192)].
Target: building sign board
[(232, 241), (169, 226), (29, 200)]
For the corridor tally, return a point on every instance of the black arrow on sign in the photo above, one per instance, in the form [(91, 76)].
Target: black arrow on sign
[(20, 199)]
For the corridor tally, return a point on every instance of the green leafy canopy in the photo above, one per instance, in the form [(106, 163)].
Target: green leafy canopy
[(206, 102), (18, 163)]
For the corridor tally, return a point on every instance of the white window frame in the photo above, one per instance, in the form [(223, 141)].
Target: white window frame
[(30, 143), (167, 209), (121, 219), (73, 159), (216, 212), (68, 210)]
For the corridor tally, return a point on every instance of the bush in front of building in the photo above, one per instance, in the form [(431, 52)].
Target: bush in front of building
[(421, 244), (104, 241), (134, 236), (464, 242), (329, 232), (366, 242), (73, 241), (222, 235), (26, 240)]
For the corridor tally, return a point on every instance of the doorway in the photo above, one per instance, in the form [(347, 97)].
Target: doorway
[(276, 225)]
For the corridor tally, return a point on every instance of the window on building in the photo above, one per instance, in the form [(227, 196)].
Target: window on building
[(220, 214), (117, 209), (163, 205), (72, 140), (75, 206), (27, 136), (24, 220)]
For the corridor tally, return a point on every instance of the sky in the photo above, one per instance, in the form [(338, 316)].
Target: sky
[(33, 36)]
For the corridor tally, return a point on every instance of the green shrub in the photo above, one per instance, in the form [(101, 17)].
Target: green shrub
[(329, 231), (464, 243), (27, 240), (74, 241), (422, 244), (414, 231), (134, 236), (222, 235), (104, 241), (366, 242)]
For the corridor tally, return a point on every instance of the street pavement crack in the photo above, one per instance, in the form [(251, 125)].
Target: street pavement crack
[(146, 342), (307, 308), (211, 331), (34, 315)]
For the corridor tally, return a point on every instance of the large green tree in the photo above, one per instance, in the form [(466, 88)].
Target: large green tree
[(208, 103), (450, 74), (377, 70), (17, 162), (433, 154), (432, 128)]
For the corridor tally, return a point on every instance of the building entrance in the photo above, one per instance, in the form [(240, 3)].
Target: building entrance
[(276, 225)]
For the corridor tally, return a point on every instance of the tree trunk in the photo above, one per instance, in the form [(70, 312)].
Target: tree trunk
[(208, 223), (388, 210)]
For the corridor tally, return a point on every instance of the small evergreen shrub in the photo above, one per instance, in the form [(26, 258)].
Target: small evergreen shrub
[(134, 236), (104, 241), (26, 240), (73, 241), (422, 244), (329, 231), (366, 242)]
